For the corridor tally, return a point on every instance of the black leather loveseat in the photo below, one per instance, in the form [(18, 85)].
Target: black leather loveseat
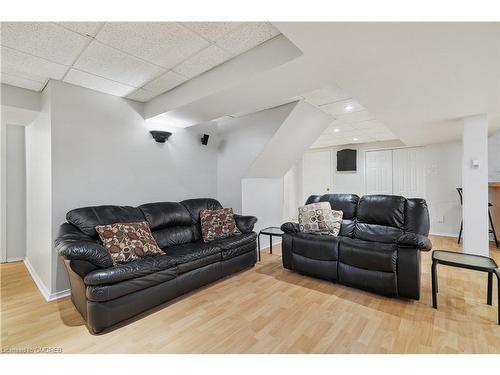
[(378, 248), (105, 294)]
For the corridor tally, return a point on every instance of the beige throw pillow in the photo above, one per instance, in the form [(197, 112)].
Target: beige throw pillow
[(320, 218)]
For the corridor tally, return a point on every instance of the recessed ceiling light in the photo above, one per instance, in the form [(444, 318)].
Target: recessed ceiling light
[(336, 130), (349, 108), (355, 139)]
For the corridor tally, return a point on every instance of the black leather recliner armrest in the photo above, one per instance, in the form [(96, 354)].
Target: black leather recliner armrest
[(414, 240), (290, 227), (73, 244), (245, 223)]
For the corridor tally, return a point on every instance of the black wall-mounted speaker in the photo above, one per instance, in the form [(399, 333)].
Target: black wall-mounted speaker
[(204, 139), (346, 160), (160, 136)]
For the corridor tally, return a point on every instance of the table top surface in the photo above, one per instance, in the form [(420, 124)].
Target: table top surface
[(275, 231), (461, 259)]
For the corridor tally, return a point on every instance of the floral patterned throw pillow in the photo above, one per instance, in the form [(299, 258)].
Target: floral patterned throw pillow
[(320, 218), (127, 242), (216, 224)]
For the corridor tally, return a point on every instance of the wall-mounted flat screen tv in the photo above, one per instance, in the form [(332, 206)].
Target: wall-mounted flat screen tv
[(346, 160)]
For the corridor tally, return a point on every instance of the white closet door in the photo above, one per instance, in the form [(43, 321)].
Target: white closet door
[(379, 172), (316, 173), (408, 173)]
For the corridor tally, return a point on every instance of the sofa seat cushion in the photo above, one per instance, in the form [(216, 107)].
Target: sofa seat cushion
[(368, 255), (235, 241), (374, 281), (194, 255), (237, 245), (130, 270), (316, 246), (377, 233), (101, 293)]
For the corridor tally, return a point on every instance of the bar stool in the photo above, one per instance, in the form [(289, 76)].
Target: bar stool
[(492, 230)]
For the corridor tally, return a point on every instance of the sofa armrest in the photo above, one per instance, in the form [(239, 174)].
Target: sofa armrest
[(290, 227), (132, 270), (73, 244), (414, 240), (245, 223)]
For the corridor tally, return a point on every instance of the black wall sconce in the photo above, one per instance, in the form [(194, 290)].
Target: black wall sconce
[(204, 139), (160, 136)]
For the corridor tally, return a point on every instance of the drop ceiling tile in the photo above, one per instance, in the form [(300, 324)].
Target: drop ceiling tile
[(358, 116), (84, 28), (44, 39), (325, 95), (248, 36), (29, 66), (93, 82), (165, 82), (107, 62), (141, 95), (212, 30), (162, 43), (202, 61), (339, 108), (24, 83)]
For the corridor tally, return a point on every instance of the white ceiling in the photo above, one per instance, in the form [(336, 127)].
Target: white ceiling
[(137, 60), (414, 81), (417, 79), (352, 124)]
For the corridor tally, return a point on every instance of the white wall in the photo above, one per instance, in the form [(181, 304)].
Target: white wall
[(263, 198), (89, 148), (16, 193), (241, 140), (494, 157), (303, 125), (475, 184), (39, 244), (292, 191), (443, 174)]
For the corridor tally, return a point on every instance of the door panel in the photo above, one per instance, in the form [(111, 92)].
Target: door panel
[(379, 172), (408, 173)]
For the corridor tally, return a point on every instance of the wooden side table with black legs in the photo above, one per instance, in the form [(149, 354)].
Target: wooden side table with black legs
[(269, 231), (468, 261)]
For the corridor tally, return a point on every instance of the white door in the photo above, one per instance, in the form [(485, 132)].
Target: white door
[(408, 173), (379, 172), (316, 173)]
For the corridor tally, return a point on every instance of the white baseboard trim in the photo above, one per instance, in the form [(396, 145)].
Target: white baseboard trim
[(15, 259), (454, 235), (41, 286)]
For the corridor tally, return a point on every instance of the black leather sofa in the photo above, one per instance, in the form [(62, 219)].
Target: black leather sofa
[(378, 248), (105, 294)]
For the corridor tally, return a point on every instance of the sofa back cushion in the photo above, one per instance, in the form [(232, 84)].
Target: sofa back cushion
[(194, 206), (87, 218), (170, 223), (380, 218), (346, 203), (388, 210), (417, 216)]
